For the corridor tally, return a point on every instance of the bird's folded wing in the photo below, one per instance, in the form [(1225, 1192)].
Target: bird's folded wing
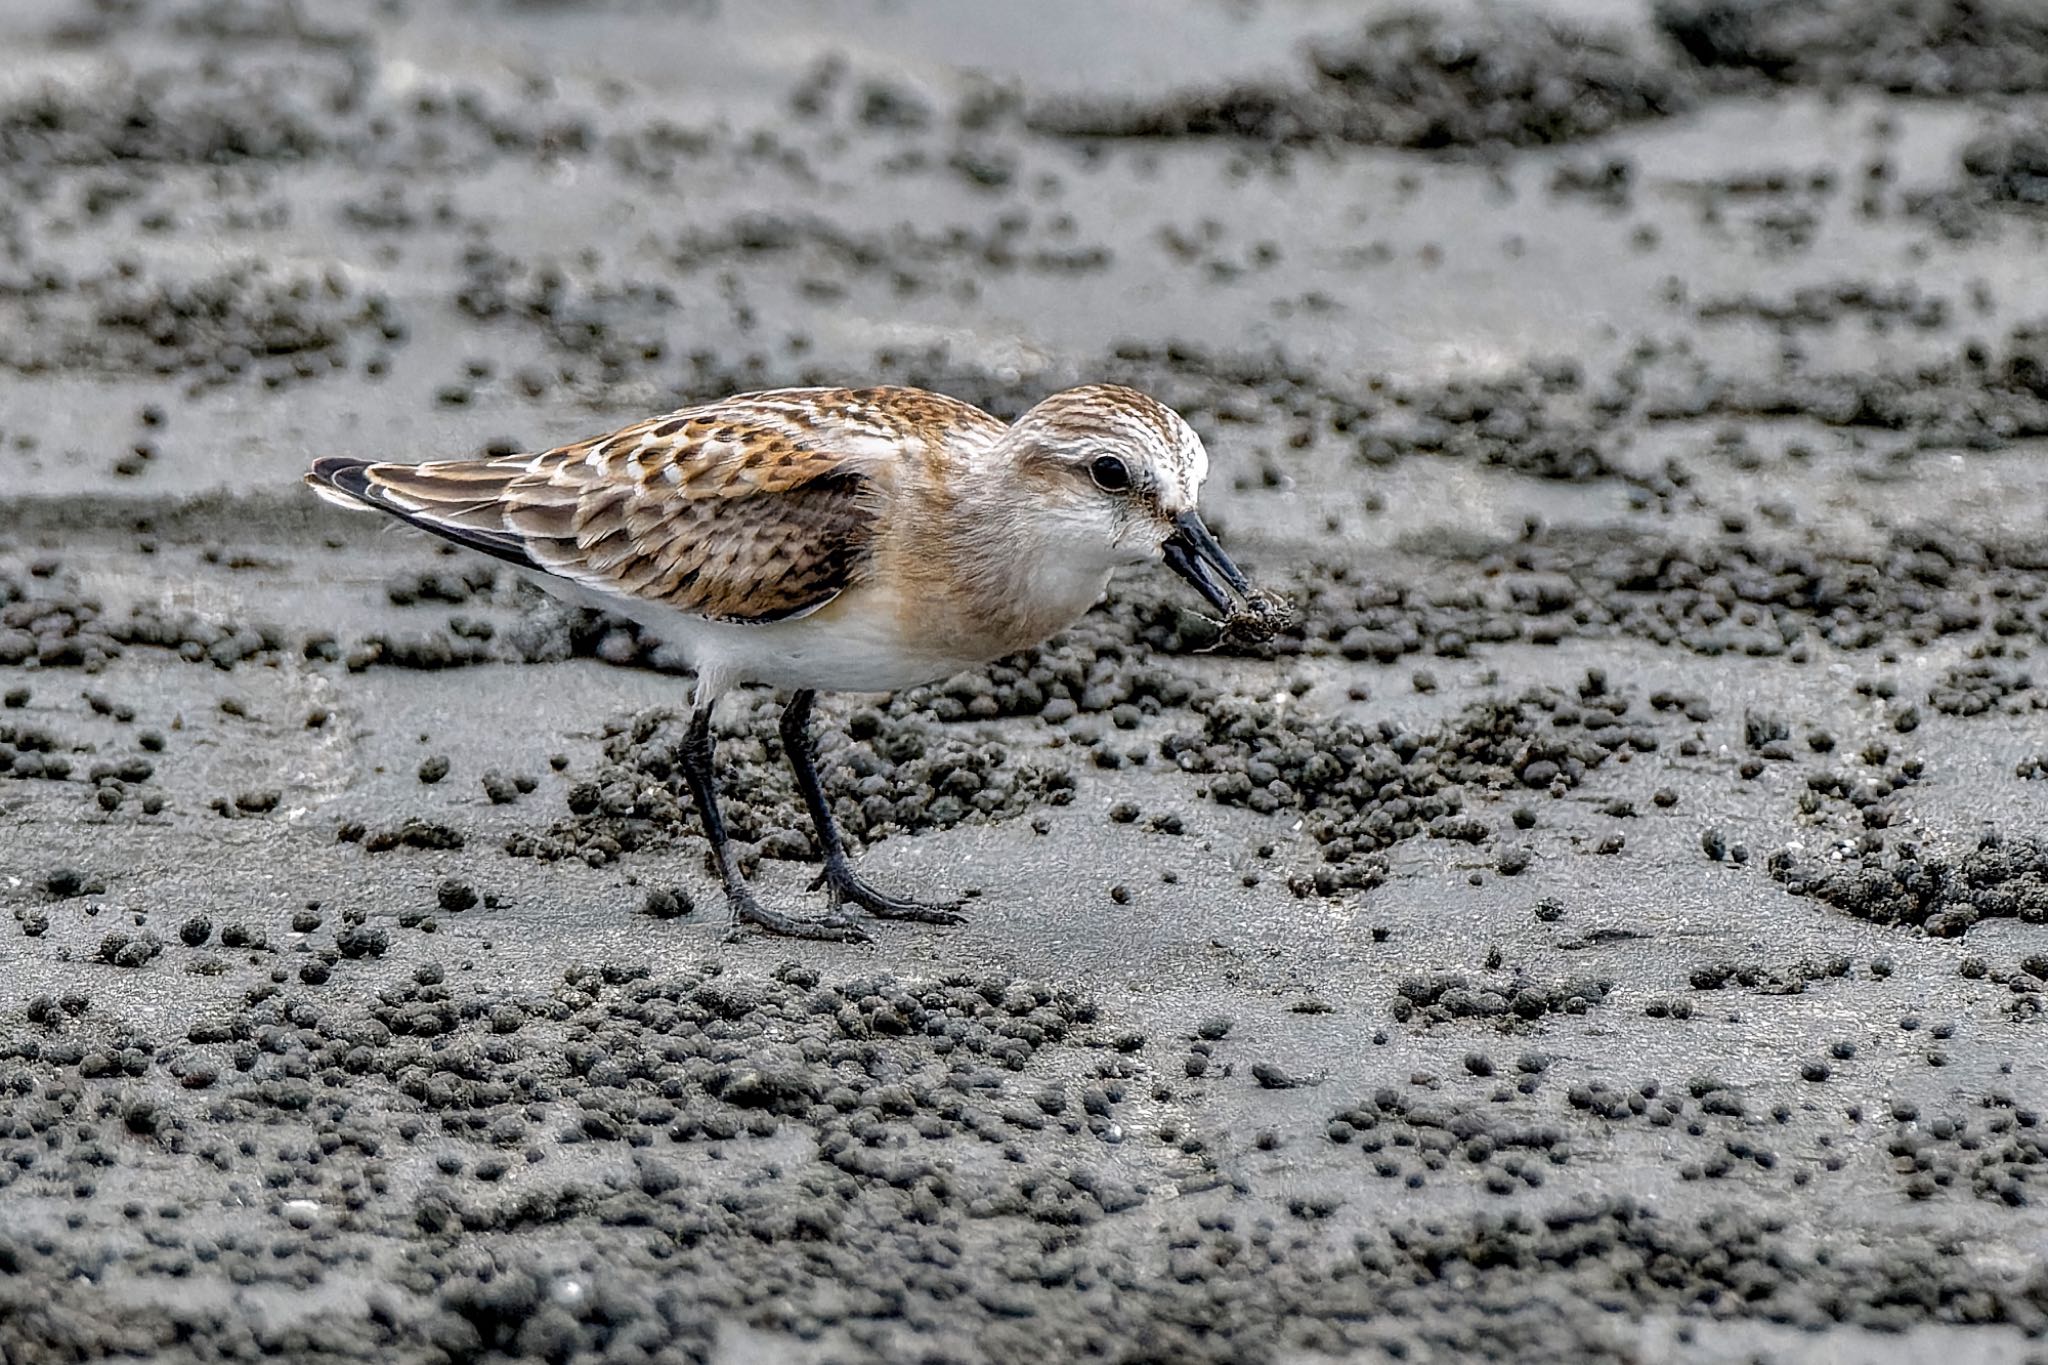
[(748, 510)]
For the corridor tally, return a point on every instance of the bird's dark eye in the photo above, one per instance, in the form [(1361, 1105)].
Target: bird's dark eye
[(1110, 474)]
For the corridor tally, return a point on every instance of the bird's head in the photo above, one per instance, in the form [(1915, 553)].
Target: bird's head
[(1115, 475)]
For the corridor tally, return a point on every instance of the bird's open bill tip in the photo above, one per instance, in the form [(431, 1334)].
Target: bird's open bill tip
[(1249, 614)]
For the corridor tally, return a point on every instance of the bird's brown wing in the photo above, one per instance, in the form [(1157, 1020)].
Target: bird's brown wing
[(754, 509)]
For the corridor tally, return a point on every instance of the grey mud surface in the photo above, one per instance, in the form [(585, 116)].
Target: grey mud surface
[(1611, 928)]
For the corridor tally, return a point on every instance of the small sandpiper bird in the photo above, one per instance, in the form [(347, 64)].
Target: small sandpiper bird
[(858, 540)]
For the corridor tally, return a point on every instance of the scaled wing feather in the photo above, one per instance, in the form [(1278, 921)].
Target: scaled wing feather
[(754, 509)]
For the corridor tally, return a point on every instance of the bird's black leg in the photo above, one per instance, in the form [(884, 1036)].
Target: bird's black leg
[(839, 876), (704, 787)]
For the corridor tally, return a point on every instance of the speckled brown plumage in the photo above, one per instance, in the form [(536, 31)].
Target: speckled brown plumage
[(753, 509)]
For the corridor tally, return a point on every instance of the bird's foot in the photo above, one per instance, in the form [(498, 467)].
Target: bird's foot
[(746, 910), (844, 884)]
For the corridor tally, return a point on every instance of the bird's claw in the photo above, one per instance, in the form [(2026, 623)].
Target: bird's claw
[(832, 928), (845, 886)]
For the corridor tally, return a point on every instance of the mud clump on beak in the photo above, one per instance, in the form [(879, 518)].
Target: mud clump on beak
[(1257, 619), (1250, 615)]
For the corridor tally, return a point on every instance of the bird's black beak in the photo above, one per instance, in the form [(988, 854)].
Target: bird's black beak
[(1191, 552)]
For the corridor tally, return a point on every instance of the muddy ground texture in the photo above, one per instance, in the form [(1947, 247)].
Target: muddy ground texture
[(1610, 927)]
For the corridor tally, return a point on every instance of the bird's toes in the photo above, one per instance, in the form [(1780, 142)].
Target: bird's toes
[(882, 905), (834, 928), (845, 887), (919, 912)]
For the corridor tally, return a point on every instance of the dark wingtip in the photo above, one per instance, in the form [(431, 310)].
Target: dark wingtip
[(341, 473), (346, 482)]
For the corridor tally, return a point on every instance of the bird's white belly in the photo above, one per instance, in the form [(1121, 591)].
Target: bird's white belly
[(859, 647), (847, 653)]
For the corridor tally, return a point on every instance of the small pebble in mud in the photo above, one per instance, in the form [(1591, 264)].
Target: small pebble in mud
[(502, 790), (433, 769), (66, 882), (1271, 1077), (667, 902), (455, 896), (356, 941), (17, 697)]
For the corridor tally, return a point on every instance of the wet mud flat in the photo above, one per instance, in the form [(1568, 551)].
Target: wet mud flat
[(1608, 926)]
